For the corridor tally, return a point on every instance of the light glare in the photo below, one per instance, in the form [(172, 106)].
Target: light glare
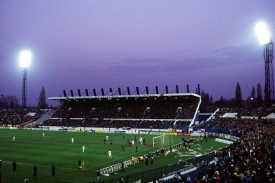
[(262, 33), (25, 59)]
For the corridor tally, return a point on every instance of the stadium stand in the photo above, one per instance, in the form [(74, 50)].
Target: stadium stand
[(139, 112)]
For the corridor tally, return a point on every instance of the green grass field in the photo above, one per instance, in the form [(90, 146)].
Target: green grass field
[(31, 148)]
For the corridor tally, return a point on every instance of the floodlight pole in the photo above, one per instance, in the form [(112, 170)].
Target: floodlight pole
[(24, 89), (269, 83)]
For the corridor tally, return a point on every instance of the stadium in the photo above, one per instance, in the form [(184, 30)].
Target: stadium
[(118, 136), (151, 138)]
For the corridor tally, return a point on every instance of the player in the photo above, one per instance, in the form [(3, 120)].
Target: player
[(205, 137), (43, 134), (141, 158), (157, 152), (111, 142), (13, 138), (133, 160), (149, 154), (107, 137), (83, 148), (133, 143), (53, 170), (104, 141), (110, 153), (98, 174), (26, 180), (14, 165), (140, 140), (122, 147), (34, 170), (72, 140), (146, 160), (79, 164), (129, 142)]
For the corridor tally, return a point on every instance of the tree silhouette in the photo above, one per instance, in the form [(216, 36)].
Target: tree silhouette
[(238, 96), (206, 100), (252, 98), (259, 95), (9, 102), (42, 100)]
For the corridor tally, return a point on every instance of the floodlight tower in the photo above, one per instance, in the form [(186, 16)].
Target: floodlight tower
[(265, 39), (25, 59)]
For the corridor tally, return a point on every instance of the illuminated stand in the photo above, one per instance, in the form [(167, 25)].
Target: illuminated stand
[(25, 59), (265, 39)]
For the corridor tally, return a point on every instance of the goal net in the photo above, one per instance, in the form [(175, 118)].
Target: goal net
[(162, 141)]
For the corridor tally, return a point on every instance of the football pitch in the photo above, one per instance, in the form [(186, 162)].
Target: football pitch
[(31, 148)]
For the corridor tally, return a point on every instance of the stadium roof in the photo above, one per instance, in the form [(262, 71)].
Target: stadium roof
[(129, 97)]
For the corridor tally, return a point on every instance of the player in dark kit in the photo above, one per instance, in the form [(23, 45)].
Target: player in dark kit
[(34, 170), (79, 163), (14, 165), (53, 170)]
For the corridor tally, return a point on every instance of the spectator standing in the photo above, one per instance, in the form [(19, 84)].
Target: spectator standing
[(53, 170), (188, 178)]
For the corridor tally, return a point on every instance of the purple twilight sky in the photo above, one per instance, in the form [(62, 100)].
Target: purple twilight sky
[(87, 44)]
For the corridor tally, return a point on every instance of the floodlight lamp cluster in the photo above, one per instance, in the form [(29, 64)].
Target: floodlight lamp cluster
[(25, 59), (263, 33)]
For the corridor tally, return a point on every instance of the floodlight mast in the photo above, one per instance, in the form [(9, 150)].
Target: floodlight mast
[(25, 59), (265, 39)]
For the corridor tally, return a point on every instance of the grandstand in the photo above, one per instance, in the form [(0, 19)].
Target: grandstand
[(158, 111)]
